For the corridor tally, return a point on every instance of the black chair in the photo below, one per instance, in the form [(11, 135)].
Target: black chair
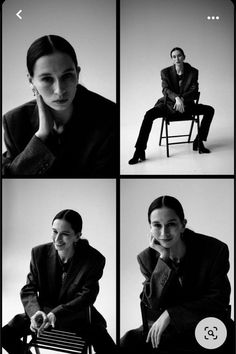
[(179, 117), (60, 341)]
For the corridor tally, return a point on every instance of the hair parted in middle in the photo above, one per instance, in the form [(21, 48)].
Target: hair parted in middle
[(168, 202), (177, 48), (72, 217)]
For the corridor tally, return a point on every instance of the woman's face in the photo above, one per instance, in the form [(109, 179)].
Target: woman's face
[(55, 78), (177, 57), (166, 226), (63, 236)]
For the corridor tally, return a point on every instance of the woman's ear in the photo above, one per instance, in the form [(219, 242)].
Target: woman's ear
[(184, 223), (30, 79), (78, 236)]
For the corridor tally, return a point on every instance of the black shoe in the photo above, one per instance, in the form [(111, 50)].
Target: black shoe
[(138, 156), (202, 149)]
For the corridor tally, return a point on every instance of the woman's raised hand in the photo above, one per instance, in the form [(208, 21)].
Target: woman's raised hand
[(46, 121), (164, 252)]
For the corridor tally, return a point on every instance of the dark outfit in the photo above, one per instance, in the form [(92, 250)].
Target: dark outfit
[(86, 148), (173, 85), (67, 292), (195, 289)]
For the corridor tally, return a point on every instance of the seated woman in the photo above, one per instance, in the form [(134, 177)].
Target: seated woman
[(179, 85), (61, 285), (68, 131), (185, 282)]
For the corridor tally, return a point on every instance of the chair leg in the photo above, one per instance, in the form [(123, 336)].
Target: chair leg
[(190, 132), (37, 351), (167, 140), (161, 132), (198, 137)]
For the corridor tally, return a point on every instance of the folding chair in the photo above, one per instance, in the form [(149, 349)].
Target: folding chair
[(175, 118), (60, 341)]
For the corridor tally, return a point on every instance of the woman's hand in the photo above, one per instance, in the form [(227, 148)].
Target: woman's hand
[(158, 327), (164, 252), (46, 121), (179, 105), (37, 321), (41, 321)]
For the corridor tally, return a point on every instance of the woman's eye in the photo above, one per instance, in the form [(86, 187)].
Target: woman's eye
[(47, 79), (68, 76)]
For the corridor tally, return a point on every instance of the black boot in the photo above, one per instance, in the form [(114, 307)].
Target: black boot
[(202, 149), (139, 155)]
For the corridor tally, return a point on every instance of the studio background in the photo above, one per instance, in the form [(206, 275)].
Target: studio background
[(90, 27), (29, 207), (149, 30), (209, 209)]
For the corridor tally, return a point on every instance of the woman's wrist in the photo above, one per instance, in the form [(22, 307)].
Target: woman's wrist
[(42, 135)]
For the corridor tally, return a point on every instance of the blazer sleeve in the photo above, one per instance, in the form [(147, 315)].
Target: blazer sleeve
[(83, 296), (35, 159), (29, 293), (155, 281), (214, 298)]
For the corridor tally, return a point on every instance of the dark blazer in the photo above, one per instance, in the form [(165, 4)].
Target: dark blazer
[(205, 286), (170, 85), (70, 301), (86, 148)]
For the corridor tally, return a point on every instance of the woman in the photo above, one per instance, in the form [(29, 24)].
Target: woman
[(185, 281), (68, 131), (61, 285), (179, 86)]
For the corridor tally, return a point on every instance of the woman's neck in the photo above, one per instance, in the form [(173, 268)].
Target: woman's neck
[(178, 250), (65, 256), (62, 117), (179, 69)]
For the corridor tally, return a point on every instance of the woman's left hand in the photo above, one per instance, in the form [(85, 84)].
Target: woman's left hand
[(50, 321), (158, 327)]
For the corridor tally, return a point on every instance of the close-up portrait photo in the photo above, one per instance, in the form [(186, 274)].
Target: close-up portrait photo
[(59, 88), (177, 265)]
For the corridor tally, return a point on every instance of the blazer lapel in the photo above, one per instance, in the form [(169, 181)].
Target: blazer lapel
[(73, 271), (51, 268), (186, 80), (174, 79)]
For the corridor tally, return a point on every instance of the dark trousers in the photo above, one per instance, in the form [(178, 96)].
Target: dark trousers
[(161, 109), (19, 326)]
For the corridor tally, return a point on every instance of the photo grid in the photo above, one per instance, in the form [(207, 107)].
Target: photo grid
[(118, 177)]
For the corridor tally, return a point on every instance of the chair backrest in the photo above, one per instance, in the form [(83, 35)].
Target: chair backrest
[(63, 341)]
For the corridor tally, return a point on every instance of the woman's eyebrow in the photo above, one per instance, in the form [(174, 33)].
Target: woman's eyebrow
[(65, 71)]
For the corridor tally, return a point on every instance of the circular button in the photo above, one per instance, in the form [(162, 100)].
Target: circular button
[(210, 333)]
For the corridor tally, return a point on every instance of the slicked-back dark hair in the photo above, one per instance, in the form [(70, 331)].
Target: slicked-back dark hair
[(177, 48), (168, 202), (72, 217), (47, 45)]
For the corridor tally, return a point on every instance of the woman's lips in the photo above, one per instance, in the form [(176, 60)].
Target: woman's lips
[(61, 101)]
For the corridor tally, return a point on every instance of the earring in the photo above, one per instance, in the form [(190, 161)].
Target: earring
[(34, 91)]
